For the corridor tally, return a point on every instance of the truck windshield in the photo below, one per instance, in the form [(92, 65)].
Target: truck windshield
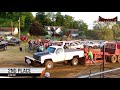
[(51, 49)]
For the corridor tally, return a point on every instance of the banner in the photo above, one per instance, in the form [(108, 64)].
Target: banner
[(107, 20), (12, 72)]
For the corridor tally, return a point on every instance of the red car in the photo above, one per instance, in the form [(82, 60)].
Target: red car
[(24, 38)]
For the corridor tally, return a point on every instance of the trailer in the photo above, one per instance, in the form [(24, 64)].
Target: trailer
[(112, 53)]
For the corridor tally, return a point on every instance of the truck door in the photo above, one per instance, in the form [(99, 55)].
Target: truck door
[(59, 55)]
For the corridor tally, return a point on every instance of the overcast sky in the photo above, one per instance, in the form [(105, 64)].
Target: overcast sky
[(90, 17)]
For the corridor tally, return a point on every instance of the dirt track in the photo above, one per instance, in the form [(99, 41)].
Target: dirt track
[(14, 58)]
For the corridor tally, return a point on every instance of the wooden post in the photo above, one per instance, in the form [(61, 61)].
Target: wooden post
[(19, 28), (12, 28)]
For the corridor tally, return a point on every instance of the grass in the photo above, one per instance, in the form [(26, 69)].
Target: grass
[(13, 54)]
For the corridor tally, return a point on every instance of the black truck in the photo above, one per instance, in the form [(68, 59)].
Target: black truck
[(3, 45)]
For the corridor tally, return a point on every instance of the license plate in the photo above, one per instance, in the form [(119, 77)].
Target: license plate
[(28, 61)]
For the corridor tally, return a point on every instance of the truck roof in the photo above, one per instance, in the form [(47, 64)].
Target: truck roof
[(56, 46), (72, 50)]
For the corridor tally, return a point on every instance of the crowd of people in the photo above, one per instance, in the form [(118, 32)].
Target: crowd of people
[(39, 45)]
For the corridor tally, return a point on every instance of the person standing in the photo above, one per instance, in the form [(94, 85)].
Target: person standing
[(90, 54), (30, 44)]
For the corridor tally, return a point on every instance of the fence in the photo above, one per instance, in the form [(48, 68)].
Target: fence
[(113, 73)]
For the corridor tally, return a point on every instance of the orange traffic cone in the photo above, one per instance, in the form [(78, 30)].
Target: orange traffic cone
[(42, 74)]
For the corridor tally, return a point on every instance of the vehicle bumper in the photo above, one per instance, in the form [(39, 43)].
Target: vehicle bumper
[(32, 62)]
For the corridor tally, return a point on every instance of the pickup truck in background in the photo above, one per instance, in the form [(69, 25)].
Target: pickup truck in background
[(71, 44), (55, 54), (92, 44)]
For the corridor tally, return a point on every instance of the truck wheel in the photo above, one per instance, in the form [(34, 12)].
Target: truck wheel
[(5, 48), (95, 47), (90, 47), (113, 59), (119, 58), (65, 62), (74, 61), (49, 64)]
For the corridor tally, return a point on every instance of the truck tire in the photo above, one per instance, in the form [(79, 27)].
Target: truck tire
[(118, 58), (49, 64), (90, 47), (113, 58), (74, 61), (95, 47), (5, 48), (65, 62)]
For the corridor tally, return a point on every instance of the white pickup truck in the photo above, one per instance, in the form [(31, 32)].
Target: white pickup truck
[(55, 54)]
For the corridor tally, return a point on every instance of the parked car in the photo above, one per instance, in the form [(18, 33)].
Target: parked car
[(103, 43), (75, 45), (92, 44), (3, 45), (71, 44), (7, 38), (13, 41)]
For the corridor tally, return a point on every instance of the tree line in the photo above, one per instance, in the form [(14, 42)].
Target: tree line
[(42, 19), (36, 25)]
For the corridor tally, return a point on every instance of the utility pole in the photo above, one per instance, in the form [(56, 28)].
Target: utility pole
[(19, 28), (12, 27)]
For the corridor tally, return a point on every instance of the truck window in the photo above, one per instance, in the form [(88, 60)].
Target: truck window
[(51, 49), (71, 44), (59, 51)]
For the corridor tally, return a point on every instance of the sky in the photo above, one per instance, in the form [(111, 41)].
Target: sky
[(90, 17)]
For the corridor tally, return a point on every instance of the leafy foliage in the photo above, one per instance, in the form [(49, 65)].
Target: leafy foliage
[(36, 29)]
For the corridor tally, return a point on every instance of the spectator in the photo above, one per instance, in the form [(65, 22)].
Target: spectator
[(90, 54), (30, 44)]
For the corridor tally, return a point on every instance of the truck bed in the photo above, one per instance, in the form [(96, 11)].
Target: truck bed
[(69, 53), (71, 50)]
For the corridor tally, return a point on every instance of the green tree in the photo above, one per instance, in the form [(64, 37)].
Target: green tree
[(107, 34), (7, 17), (75, 24), (67, 21), (116, 31), (36, 29), (101, 25), (59, 19), (28, 20), (40, 17), (82, 26)]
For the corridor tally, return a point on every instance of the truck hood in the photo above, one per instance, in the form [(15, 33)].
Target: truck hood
[(41, 53)]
